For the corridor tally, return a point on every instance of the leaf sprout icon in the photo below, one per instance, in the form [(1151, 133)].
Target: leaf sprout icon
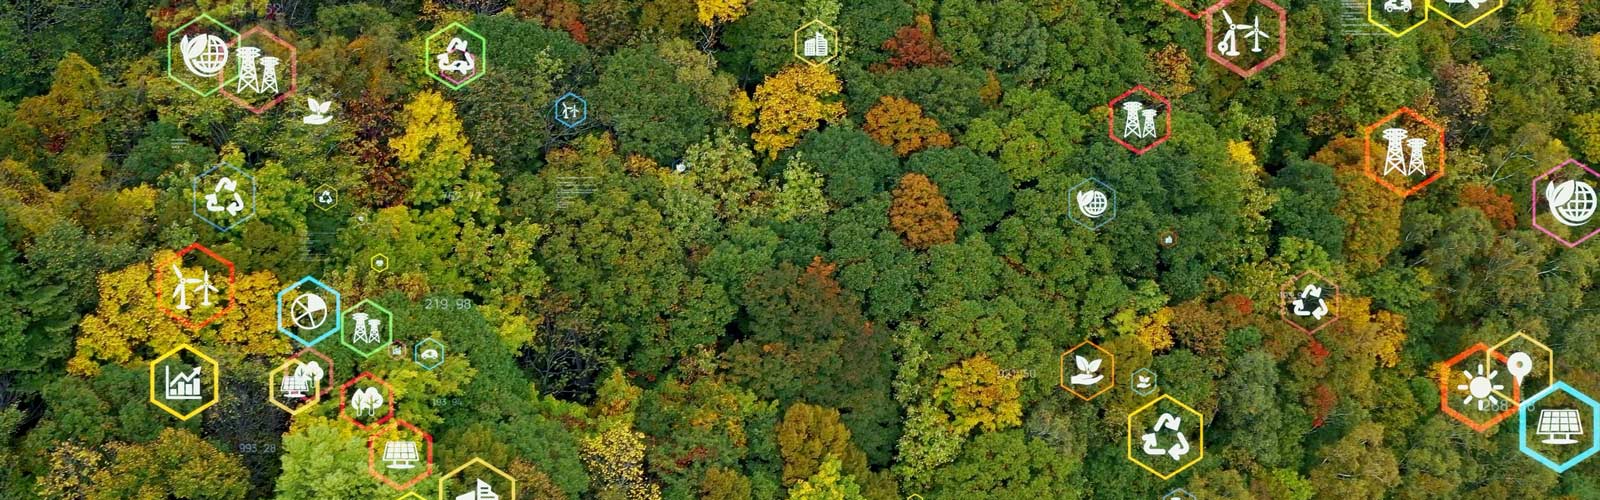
[(1481, 388)]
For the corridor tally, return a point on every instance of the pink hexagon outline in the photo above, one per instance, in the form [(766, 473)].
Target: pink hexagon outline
[(1111, 119), (343, 399), (1283, 39), (1283, 301), (1533, 202), (372, 455), (294, 72)]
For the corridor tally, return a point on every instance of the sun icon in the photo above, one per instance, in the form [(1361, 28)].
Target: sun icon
[(1480, 388)]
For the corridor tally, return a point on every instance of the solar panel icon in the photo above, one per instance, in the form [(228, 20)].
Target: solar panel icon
[(1558, 426)]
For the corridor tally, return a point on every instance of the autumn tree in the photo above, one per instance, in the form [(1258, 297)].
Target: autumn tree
[(977, 394), (915, 45), (919, 213), (714, 12), (788, 104), (899, 123), (1497, 207), (809, 436), (177, 464)]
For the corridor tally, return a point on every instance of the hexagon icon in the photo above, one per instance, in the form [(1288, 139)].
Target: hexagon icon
[(380, 262), (1139, 119), (1171, 436), (1472, 386), (309, 309), (266, 70), (482, 478), (1397, 17), (1178, 494), (186, 382), (428, 354), (816, 43), (1143, 382), (1094, 203), (1238, 39), (371, 328), (570, 110), (456, 56), (324, 197), (1089, 373), (331, 372), (1559, 421), (1563, 202), (404, 450), (411, 495), (1465, 13), (198, 52), (191, 294), (1308, 302), (223, 196), (1410, 151), (296, 384), (1528, 360), (365, 405)]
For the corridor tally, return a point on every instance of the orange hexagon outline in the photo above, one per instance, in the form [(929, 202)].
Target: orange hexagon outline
[(1444, 392), (1366, 151), (1111, 373), (372, 454), (1283, 301), (178, 259)]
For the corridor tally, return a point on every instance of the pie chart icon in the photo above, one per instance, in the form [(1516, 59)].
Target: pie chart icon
[(308, 311)]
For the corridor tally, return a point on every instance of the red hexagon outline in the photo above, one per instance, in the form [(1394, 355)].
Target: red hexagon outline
[(1366, 151), (332, 375), (1444, 391), (343, 401), (1283, 39), (372, 455), (1534, 202), (1283, 301), (1111, 373), (1187, 12), (1111, 119), (294, 72), (178, 258)]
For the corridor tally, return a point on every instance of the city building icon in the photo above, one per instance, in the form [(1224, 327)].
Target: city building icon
[(480, 491), (186, 386), (816, 46)]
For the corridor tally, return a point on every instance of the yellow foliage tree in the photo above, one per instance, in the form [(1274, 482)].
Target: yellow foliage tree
[(615, 458), (899, 123), (920, 214), (714, 12), (1154, 329), (791, 103), (978, 394)]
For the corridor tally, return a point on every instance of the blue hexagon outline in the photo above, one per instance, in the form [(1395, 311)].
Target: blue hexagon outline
[(338, 324), (1135, 376), (194, 202), (1522, 427), (557, 116), (415, 350), (1071, 210)]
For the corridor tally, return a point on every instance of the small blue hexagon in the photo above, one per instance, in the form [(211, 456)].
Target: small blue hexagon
[(1594, 417), (422, 356), (1089, 209), (1151, 387), (303, 309), (570, 110), (221, 180)]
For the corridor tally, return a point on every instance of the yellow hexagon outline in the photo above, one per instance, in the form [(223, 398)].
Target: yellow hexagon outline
[(1499, 4), (214, 381), (1550, 359), (1427, 6), (335, 193), (1061, 372), (272, 396), (410, 494), (1185, 466), (479, 461), (834, 40), (373, 262)]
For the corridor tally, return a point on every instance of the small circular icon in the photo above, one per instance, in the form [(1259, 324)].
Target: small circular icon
[(308, 311), (380, 262)]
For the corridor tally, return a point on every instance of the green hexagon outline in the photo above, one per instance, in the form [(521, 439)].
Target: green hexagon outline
[(1498, 4), (180, 29), (483, 56), (1427, 7), (388, 328)]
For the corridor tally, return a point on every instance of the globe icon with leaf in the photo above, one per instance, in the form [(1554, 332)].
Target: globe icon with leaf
[(1572, 202)]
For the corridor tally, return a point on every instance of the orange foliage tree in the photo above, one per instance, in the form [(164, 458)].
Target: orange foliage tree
[(919, 213), (899, 123), (915, 45), (1497, 207)]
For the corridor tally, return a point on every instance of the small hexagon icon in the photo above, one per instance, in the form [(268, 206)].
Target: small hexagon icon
[(185, 376), (1308, 302), (1094, 203), (324, 197), (1398, 17), (1178, 494), (1472, 385), (361, 406), (266, 70), (428, 353), (296, 384), (1412, 150), (380, 262), (1525, 363), (1237, 39), (570, 110), (308, 311), (190, 296), (1143, 382), (816, 43), (1465, 13), (1081, 370), (1557, 423), (197, 53), (404, 448), (224, 196), (1563, 202), (1143, 117), (456, 56), (1171, 436), (371, 328), (488, 478)]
